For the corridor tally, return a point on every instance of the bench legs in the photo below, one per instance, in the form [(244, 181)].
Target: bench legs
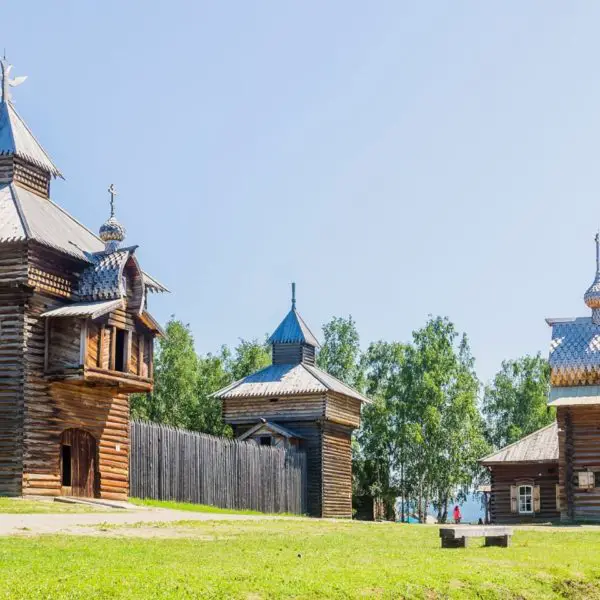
[(454, 542), (498, 540)]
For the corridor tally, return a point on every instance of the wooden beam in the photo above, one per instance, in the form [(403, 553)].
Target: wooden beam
[(113, 348), (83, 344)]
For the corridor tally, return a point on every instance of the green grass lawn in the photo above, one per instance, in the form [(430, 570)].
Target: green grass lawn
[(299, 559), (207, 508), (23, 506)]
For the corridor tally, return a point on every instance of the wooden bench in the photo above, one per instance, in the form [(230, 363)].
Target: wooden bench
[(457, 537)]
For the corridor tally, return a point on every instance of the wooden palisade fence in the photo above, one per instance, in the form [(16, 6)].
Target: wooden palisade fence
[(173, 464)]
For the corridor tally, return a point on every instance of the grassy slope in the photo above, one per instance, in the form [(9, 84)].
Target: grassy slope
[(189, 506), (205, 508), (301, 559), (21, 506)]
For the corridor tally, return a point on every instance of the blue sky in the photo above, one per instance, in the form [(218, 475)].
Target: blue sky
[(395, 159)]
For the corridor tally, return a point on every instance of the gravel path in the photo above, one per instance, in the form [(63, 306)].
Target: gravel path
[(12, 524)]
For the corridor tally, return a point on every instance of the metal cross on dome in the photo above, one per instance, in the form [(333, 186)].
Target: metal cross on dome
[(6, 81), (113, 192)]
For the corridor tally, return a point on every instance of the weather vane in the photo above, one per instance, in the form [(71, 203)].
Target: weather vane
[(113, 192), (7, 82)]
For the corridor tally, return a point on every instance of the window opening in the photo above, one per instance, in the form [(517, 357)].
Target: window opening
[(66, 465), (120, 350), (597, 479), (265, 441), (525, 499)]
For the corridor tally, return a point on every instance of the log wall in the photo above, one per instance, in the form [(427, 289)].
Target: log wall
[(504, 476), (52, 407), (579, 450), (325, 423), (337, 471)]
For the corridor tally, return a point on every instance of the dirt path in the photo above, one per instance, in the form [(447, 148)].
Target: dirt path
[(31, 524)]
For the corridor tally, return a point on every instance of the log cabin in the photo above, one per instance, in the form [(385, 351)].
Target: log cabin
[(524, 479), (575, 437), (76, 337), (293, 399)]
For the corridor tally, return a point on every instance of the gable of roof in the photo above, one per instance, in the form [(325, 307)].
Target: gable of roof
[(102, 280), (293, 330), (16, 139), (27, 216), (286, 380), (268, 426), (539, 446)]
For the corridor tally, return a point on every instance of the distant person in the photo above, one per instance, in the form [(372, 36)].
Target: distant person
[(456, 514)]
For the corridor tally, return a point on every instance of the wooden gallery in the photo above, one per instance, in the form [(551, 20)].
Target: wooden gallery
[(554, 473), (75, 334)]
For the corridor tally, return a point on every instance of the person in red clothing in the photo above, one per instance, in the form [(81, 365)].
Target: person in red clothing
[(456, 514)]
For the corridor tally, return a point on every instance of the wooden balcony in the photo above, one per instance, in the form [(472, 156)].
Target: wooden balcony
[(99, 355), (127, 383)]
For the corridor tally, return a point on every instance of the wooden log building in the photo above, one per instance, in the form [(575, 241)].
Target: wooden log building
[(524, 479), (75, 334), (295, 400), (575, 393)]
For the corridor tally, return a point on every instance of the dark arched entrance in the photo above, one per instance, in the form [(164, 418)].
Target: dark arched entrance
[(78, 463)]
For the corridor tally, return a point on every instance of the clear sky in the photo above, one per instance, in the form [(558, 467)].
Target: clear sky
[(395, 158)]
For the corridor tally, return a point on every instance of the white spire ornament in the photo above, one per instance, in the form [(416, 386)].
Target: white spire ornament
[(592, 296), (6, 82)]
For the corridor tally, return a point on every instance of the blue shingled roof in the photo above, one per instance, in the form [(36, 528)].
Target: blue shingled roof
[(293, 330)]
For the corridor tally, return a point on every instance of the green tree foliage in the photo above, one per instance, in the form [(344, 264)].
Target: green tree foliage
[(379, 450), (174, 399), (184, 382), (247, 358), (515, 403), (445, 430), (340, 352)]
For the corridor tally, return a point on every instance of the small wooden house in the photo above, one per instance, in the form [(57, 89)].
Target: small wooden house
[(294, 399), (524, 479), (76, 337)]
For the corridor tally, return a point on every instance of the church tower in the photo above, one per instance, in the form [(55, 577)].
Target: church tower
[(293, 402), (75, 334)]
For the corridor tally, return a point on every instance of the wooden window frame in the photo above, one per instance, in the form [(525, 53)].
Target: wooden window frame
[(521, 495)]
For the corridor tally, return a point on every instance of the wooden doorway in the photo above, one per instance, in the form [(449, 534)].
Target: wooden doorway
[(78, 463)]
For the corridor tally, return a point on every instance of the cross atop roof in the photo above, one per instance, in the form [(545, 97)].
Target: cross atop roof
[(113, 192)]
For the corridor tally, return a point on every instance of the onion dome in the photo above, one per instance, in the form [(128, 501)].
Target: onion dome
[(592, 295), (112, 233)]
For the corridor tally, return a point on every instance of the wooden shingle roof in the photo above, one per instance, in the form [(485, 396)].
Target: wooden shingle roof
[(539, 446), (16, 139), (293, 330), (286, 380)]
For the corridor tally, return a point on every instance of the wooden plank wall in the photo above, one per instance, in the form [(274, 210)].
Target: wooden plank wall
[(337, 471), (11, 390), (503, 476), (281, 410), (579, 450), (174, 464), (65, 343), (13, 273), (52, 407)]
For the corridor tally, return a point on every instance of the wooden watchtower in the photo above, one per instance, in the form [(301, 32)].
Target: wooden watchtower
[(294, 402), (75, 334)]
